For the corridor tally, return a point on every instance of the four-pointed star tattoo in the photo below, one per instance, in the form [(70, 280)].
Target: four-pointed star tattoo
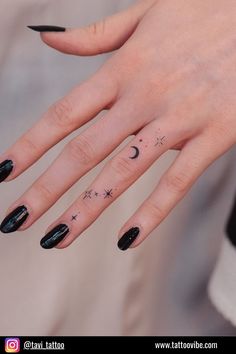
[(108, 193)]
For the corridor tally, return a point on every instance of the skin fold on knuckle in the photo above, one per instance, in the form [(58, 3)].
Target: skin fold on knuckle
[(28, 147), (121, 168), (154, 211), (97, 28), (178, 182), (81, 150), (43, 192), (96, 33), (61, 114)]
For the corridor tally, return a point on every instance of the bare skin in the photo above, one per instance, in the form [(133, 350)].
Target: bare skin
[(170, 84)]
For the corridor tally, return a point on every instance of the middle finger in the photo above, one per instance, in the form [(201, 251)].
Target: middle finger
[(118, 174)]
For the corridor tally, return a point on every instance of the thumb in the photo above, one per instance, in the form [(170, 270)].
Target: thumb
[(100, 37)]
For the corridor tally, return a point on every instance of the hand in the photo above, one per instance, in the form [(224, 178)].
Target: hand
[(171, 84)]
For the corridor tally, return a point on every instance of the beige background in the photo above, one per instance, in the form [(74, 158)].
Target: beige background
[(92, 288)]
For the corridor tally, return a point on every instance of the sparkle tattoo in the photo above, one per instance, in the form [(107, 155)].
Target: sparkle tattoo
[(108, 193), (88, 194), (160, 141), (74, 217)]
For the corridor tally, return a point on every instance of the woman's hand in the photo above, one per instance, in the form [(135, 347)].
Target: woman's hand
[(171, 84)]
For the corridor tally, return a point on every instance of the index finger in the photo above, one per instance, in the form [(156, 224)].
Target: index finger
[(66, 115)]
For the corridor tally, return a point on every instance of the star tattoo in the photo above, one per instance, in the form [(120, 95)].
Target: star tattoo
[(160, 141), (74, 217), (108, 193), (88, 194), (96, 194)]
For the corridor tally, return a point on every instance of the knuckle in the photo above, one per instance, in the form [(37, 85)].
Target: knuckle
[(97, 28), (29, 146), (96, 33), (44, 192), (177, 182), (154, 210), (81, 150), (121, 167), (61, 113), (93, 28)]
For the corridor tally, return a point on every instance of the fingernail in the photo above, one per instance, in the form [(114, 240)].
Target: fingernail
[(5, 169), (47, 28), (14, 220), (128, 238), (54, 236)]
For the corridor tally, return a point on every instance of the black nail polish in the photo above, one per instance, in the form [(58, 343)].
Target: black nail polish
[(47, 28), (5, 169), (54, 236), (128, 238), (14, 220)]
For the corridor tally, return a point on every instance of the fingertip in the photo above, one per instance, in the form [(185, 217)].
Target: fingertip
[(49, 37), (66, 42), (64, 243)]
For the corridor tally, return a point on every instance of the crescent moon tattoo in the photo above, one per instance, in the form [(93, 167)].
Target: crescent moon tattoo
[(136, 155)]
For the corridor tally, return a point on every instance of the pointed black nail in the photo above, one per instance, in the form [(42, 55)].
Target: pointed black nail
[(54, 236), (128, 238), (14, 220), (5, 169), (47, 28)]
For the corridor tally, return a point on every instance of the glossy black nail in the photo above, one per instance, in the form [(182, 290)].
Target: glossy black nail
[(230, 226), (47, 28), (14, 220), (6, 168), (128, 238), (54, 236)]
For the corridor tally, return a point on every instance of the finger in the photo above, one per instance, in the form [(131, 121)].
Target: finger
[(103, 36), (118, 174), (78, 157), (68, 114), (194, 158)]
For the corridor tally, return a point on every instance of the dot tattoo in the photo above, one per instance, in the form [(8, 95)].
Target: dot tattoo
[(108, 193)]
